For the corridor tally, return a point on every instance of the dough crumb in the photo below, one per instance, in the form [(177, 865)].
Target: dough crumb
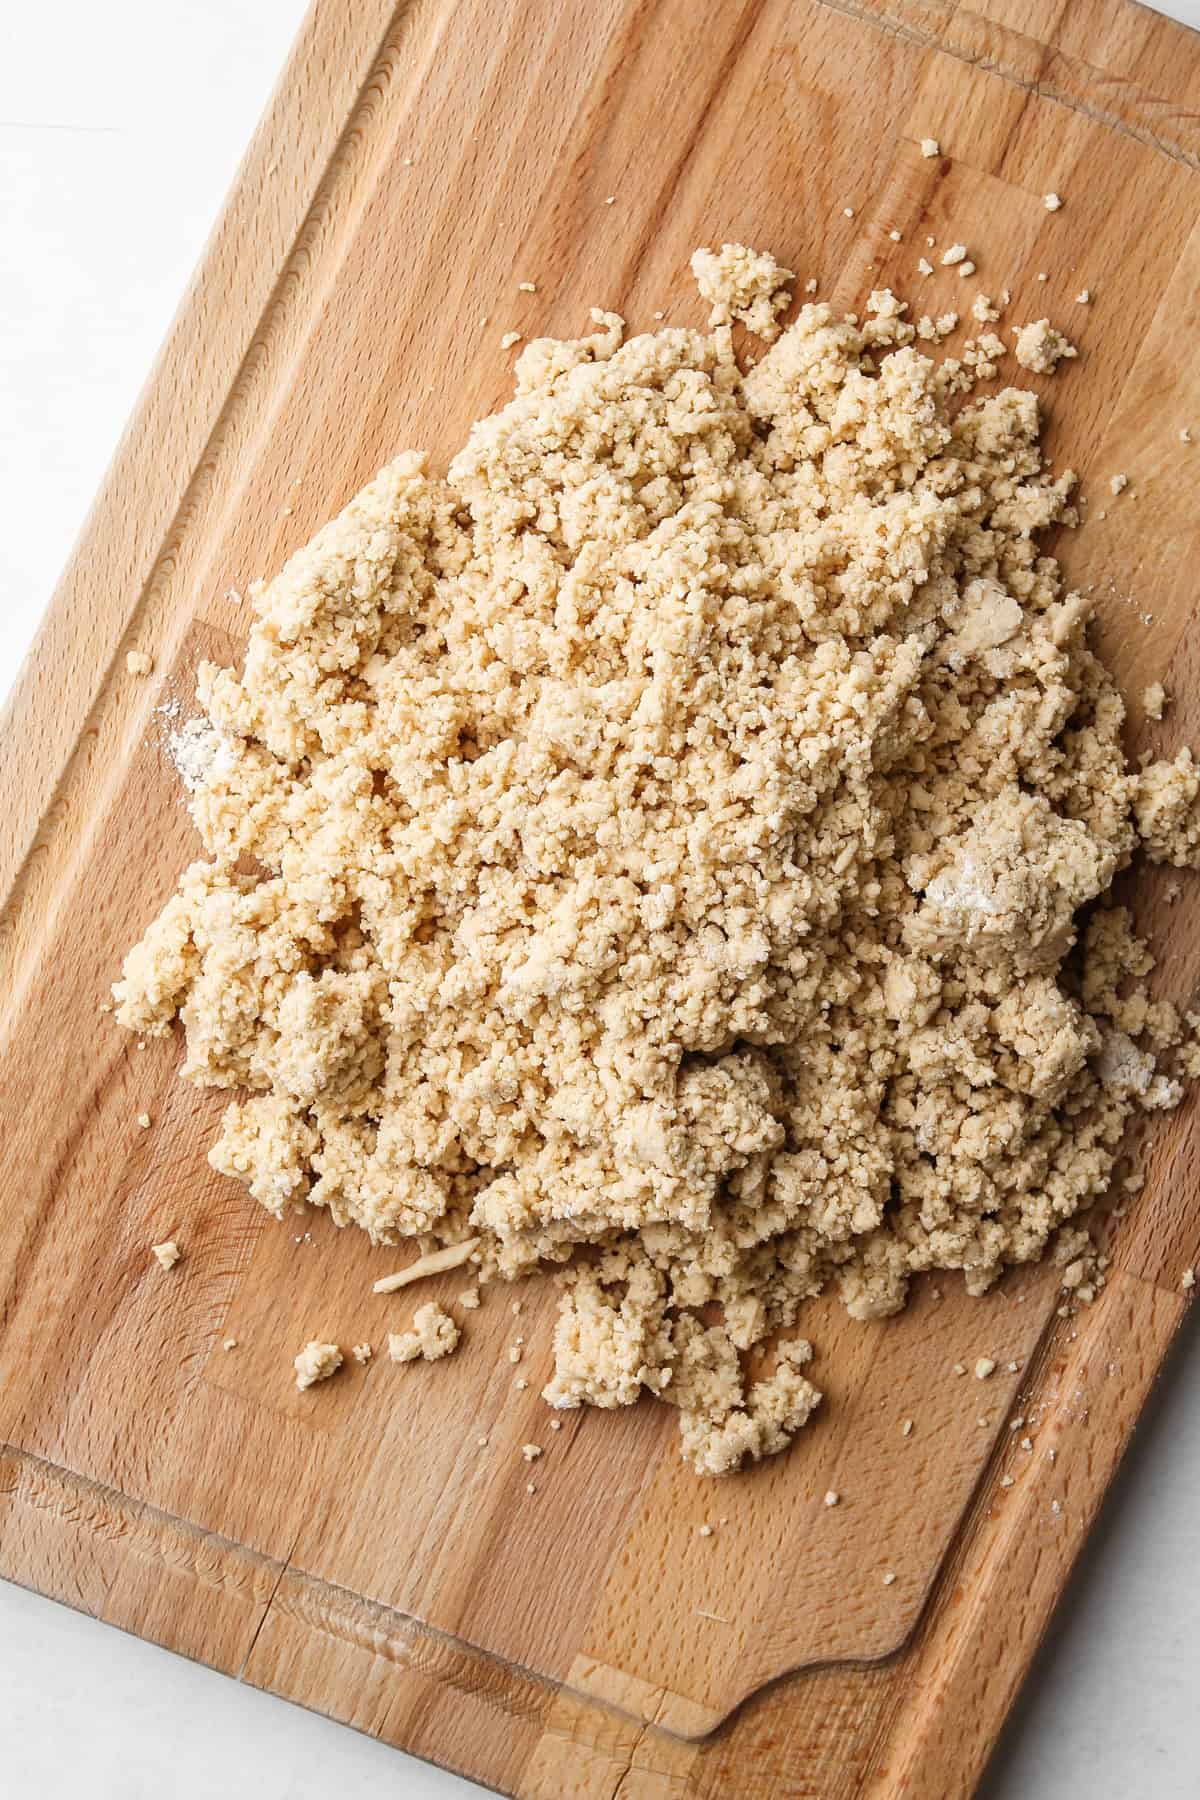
[(434, 1335), (527, 287), (743, 284), (985, 1366), (137, 662), (509, 339), (1083, 297), (362, 1353), (316, 1362), (167, 1254), (144, 1120), (1041, 348), (674, 846), (1187, 1280), (930, 147), (888, 1577), (832, 1497), (1154, 700), (957, 253), (906, 1428), (230, 1344), (1051, 202)]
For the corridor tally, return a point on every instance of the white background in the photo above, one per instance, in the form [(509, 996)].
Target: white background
[(121, 126)]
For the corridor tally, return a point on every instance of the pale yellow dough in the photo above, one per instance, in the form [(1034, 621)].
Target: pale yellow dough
[(658, 847)]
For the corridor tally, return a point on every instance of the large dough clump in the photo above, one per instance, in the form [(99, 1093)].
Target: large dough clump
[(658, 845)]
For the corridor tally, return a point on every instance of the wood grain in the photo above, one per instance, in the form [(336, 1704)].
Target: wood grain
[(356, 1548)]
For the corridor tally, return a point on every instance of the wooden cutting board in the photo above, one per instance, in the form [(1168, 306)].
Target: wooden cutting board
[(355, 1548)]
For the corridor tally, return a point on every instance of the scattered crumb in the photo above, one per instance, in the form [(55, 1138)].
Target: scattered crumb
[(531, 1452), (230, 1344), (959, 1369), (888, 1577), (906, 1428), (1056, 1506), (965, 269), (433, 1335), (924, 267), (847, 212), (1185, 436), (144, 1121), (556, 1424), (955, 254), (832, 1497), (520, 1384), (527, 287), (705, 1531), (138, 663), (1042, 275), (1187, 1280), (1013, 1368), (316, 1362), (1118, 484), (984, 310), (610, 200), (362, 1353), (745, 284), (1051, 202), (509, 339), (984, 1367), (930, 147), (530, 1487), (1006, 1481), (810, 286), (1154, 700), (1040, 347), (469, 1299), (514, 1355), (168, 1254), (1083, 297), (481, 1443), (895, 237)]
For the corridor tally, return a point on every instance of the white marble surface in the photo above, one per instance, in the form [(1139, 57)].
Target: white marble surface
[(120, 129)]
